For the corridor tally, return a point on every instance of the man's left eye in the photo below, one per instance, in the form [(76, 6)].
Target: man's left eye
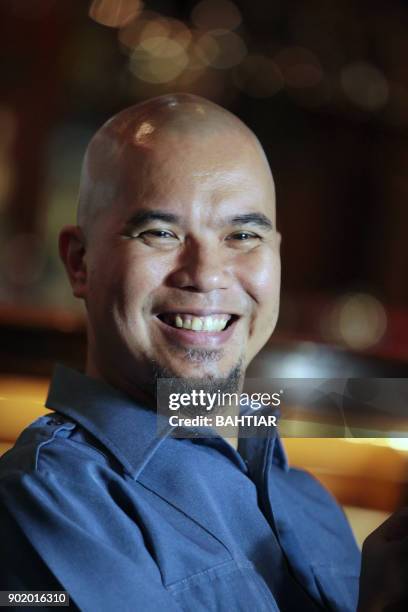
[(242, 236)]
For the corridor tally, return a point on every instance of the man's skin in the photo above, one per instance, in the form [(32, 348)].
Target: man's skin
[(212, 248)]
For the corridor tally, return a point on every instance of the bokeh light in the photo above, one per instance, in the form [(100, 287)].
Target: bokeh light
[(205, 50), (221, 49), (214, 14), (114, 13), (153, 28), (151, 25), (365, 85), (131, 34), (358, 321), (158, 60)]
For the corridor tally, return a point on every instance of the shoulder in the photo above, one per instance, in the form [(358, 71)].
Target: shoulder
[(57, 471), (56, 475), (60, 516), (53, 444)]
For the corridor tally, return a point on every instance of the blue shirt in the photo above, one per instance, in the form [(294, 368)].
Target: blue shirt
[(92, 501)]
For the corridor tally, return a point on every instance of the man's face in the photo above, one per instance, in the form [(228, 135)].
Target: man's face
[(184, 268)]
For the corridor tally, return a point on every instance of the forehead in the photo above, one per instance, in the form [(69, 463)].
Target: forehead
[(214, 173)]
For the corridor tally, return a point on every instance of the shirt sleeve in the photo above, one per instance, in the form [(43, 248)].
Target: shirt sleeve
[(51, 539)]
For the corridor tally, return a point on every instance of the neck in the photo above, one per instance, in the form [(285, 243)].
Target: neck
[(142, 396)]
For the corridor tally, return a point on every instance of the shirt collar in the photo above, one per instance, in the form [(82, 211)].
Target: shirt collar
[(128, 430)]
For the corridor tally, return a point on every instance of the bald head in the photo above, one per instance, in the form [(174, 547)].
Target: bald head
[(139, 132)]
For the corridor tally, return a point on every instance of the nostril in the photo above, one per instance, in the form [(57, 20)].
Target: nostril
[(192, 288)]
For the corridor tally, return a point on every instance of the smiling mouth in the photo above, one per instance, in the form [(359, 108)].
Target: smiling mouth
[(209, 323)]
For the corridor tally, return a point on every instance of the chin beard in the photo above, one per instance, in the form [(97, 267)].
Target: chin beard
[(232, 383), (210, 383)]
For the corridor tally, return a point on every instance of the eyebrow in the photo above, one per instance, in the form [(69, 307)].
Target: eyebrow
[(254, 218), (143, 216)]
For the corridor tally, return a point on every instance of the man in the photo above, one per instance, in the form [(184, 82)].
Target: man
[(176, 256)]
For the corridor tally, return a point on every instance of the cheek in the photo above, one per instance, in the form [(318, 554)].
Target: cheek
[(263, 285), (263, 274), (127, 285)]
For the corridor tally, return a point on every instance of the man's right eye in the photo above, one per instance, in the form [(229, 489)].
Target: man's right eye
[(158, 234)]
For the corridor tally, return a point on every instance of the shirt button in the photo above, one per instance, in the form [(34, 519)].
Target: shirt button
[(55, 422)]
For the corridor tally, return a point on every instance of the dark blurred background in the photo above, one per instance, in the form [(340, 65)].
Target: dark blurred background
[(323, 84)]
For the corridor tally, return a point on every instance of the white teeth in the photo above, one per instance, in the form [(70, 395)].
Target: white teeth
[(197, 324), (211, 323), (208, 324)]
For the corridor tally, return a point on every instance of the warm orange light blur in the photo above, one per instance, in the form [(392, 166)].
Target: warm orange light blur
[(221, 49), (158, 60), (21, 401), (114, 13), (152, 25), (357, 321)]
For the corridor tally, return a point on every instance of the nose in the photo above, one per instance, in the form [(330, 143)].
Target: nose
[(201, 268)]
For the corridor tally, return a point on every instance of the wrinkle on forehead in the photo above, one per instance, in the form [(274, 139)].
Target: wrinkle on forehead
[(138, 132)]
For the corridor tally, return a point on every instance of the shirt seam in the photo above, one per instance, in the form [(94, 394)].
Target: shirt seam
[(191, 519), (38, 449), (185, 582)]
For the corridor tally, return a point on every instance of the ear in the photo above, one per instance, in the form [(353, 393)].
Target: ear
[(72, 252)]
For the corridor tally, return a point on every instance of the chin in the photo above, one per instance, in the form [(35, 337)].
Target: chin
[(198, 371), (195, 368)]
